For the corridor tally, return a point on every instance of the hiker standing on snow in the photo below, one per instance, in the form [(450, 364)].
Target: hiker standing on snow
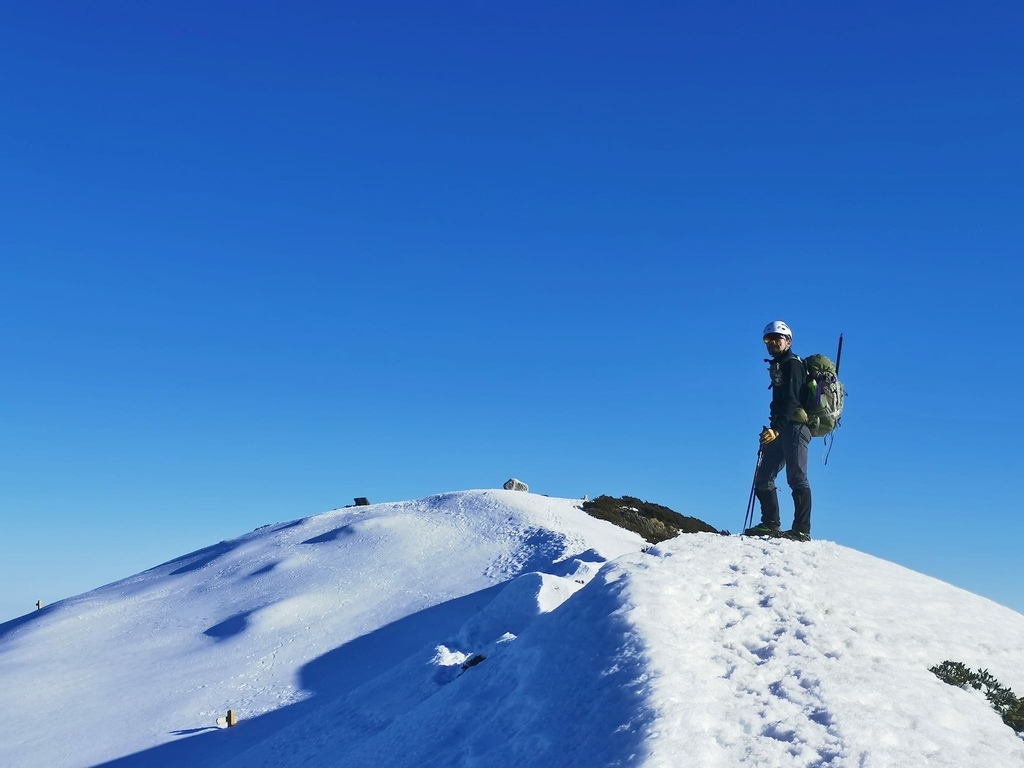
[(784, 442)]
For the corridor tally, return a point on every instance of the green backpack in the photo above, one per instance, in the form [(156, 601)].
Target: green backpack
[(823, 395)]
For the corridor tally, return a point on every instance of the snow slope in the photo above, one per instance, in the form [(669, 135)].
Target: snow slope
[(342, 640)]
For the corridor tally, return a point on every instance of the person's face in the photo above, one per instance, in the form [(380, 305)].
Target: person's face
[(777, 343)]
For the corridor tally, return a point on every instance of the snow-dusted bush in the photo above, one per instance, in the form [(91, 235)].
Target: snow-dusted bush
[(1002, 699)]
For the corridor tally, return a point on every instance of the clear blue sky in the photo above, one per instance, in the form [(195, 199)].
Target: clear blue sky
[(261, 258)]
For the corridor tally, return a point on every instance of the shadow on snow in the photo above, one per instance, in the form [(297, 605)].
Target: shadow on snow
[(327, 677), (600, 737)]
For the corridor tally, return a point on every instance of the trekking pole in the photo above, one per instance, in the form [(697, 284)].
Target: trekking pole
[(748, 521), (839, 354)]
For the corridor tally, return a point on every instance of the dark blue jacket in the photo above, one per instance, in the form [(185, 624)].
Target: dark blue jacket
[(788, 380)]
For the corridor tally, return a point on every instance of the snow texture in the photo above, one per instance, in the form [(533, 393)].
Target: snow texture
[(486, 629)]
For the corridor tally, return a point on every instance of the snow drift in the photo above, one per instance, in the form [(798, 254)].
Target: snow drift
[(495, 628)]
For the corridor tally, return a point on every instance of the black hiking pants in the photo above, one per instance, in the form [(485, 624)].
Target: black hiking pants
[(788, 450)]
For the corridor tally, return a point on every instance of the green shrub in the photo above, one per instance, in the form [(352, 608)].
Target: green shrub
[(652, 521), (1002, 699), (1014, 716), (953, 672)]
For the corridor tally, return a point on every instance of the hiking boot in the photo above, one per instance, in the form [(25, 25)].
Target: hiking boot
[(763, 529), (796, 535)]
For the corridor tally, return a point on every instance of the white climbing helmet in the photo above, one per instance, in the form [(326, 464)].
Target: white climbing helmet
[(778, 326)]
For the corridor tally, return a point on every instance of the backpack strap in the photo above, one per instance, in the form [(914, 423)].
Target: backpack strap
[(772, 360)]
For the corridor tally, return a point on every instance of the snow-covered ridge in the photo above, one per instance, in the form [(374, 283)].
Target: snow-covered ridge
[(343, 639)]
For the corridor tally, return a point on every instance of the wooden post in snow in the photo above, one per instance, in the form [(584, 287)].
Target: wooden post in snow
[(228, 722)]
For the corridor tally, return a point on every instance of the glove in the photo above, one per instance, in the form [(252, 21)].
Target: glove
[(767, 435)]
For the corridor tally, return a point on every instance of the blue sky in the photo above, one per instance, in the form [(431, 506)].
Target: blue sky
[(258, 259)]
